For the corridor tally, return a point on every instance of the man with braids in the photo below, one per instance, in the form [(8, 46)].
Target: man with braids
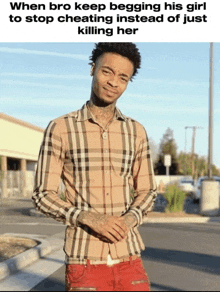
[(103, 158)]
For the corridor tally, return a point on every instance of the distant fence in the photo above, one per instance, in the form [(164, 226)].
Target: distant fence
[(15, 183), (17, 186)]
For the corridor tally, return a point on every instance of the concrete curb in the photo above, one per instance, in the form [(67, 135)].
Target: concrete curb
[(31, 255), (183, 220)]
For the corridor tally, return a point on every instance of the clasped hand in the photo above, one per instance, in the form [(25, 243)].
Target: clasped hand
[(112, 228), (108, 228)]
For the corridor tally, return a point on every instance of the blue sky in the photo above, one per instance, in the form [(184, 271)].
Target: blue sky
[(41, 81)]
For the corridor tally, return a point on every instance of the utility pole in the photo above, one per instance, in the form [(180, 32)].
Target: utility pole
[(209, 205), (193, 145), (185, 167), (211, 94)]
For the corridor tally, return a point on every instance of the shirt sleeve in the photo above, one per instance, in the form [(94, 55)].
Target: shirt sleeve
[(48, 177), (145, 189)]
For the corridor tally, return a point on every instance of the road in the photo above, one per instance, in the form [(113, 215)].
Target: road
[(182, 257), (178, 257)]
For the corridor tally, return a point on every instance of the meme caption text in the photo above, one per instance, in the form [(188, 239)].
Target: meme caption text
[(95, 22)]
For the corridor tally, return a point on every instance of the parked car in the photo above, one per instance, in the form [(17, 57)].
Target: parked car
[(187, 185), (198, 187)]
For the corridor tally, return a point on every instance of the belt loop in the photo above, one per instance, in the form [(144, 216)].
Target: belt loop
[(130, 260)]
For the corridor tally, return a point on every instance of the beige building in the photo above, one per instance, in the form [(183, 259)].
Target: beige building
[(19, 147)]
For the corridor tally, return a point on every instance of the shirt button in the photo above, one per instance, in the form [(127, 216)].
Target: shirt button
[(104, 135), (107, 194)]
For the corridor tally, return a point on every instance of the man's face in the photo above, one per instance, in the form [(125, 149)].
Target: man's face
[(111, 75)]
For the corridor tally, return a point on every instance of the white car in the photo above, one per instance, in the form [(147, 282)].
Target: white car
[(198, 187), (187, 185)]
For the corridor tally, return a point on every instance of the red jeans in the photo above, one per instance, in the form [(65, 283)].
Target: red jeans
[(125, 276)]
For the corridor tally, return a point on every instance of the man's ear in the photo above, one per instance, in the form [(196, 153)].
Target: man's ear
[(92, 70)]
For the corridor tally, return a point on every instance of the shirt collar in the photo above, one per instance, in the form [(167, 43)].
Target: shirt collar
[(84, 114)]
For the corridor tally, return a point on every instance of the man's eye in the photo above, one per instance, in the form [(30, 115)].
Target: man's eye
[(124, 79), (106, 72)]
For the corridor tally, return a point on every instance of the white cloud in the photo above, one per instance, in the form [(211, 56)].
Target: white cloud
[(52, 102), (172, 82), (152, 69), (43, 53), (145, 97), (163, 109), (38, 84), (41, 75)]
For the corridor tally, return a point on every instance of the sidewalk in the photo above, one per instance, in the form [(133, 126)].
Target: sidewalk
[(47, 246)]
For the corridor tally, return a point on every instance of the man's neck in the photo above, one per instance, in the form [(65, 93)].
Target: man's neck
[(102, 114)]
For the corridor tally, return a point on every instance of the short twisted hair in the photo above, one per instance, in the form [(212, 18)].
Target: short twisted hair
[(128, 50)]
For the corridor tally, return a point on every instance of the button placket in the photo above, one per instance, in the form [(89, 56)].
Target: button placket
[(106, 166), (104, 135)]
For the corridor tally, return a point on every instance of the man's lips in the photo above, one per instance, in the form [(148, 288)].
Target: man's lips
[(110, 91)]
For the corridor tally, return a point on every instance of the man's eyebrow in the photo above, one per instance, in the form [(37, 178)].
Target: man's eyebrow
[(122, 74), (125, 75), (107, 67)]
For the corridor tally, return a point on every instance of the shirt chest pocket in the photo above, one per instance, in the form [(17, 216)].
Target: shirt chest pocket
[(84, 165), (122, 162), (78, 159)]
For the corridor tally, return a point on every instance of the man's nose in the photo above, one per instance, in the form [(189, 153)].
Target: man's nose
[(113, 81)]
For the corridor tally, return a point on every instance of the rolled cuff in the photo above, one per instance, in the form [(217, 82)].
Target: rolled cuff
[(72, 216), (138, 214)]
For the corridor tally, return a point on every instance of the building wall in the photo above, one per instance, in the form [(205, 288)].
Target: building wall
[(19, 141), (19, 148), (15, 181)]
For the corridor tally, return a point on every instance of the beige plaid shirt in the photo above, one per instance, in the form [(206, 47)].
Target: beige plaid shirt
[(108, 172)]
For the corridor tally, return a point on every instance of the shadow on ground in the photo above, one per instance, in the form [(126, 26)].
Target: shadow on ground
[(155, 287), (190, 260), (55, 282)]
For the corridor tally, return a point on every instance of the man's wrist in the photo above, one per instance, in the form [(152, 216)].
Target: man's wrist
[(90, 218), (83, 218), (130, 220)]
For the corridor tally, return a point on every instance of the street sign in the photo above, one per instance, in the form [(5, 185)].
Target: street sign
[(167, 163), (167, 160)]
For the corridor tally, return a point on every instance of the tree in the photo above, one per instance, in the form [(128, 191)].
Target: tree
[(182, 162), (200, 165), (167, 146), (154, 150), (185, 165), (215, 170)]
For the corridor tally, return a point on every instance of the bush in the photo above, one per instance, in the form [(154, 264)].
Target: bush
[(175, 198)]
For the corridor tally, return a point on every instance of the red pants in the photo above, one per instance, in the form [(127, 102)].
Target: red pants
[(126, 276)]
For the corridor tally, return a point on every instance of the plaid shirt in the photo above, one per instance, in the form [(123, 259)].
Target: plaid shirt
[(108, 172)]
